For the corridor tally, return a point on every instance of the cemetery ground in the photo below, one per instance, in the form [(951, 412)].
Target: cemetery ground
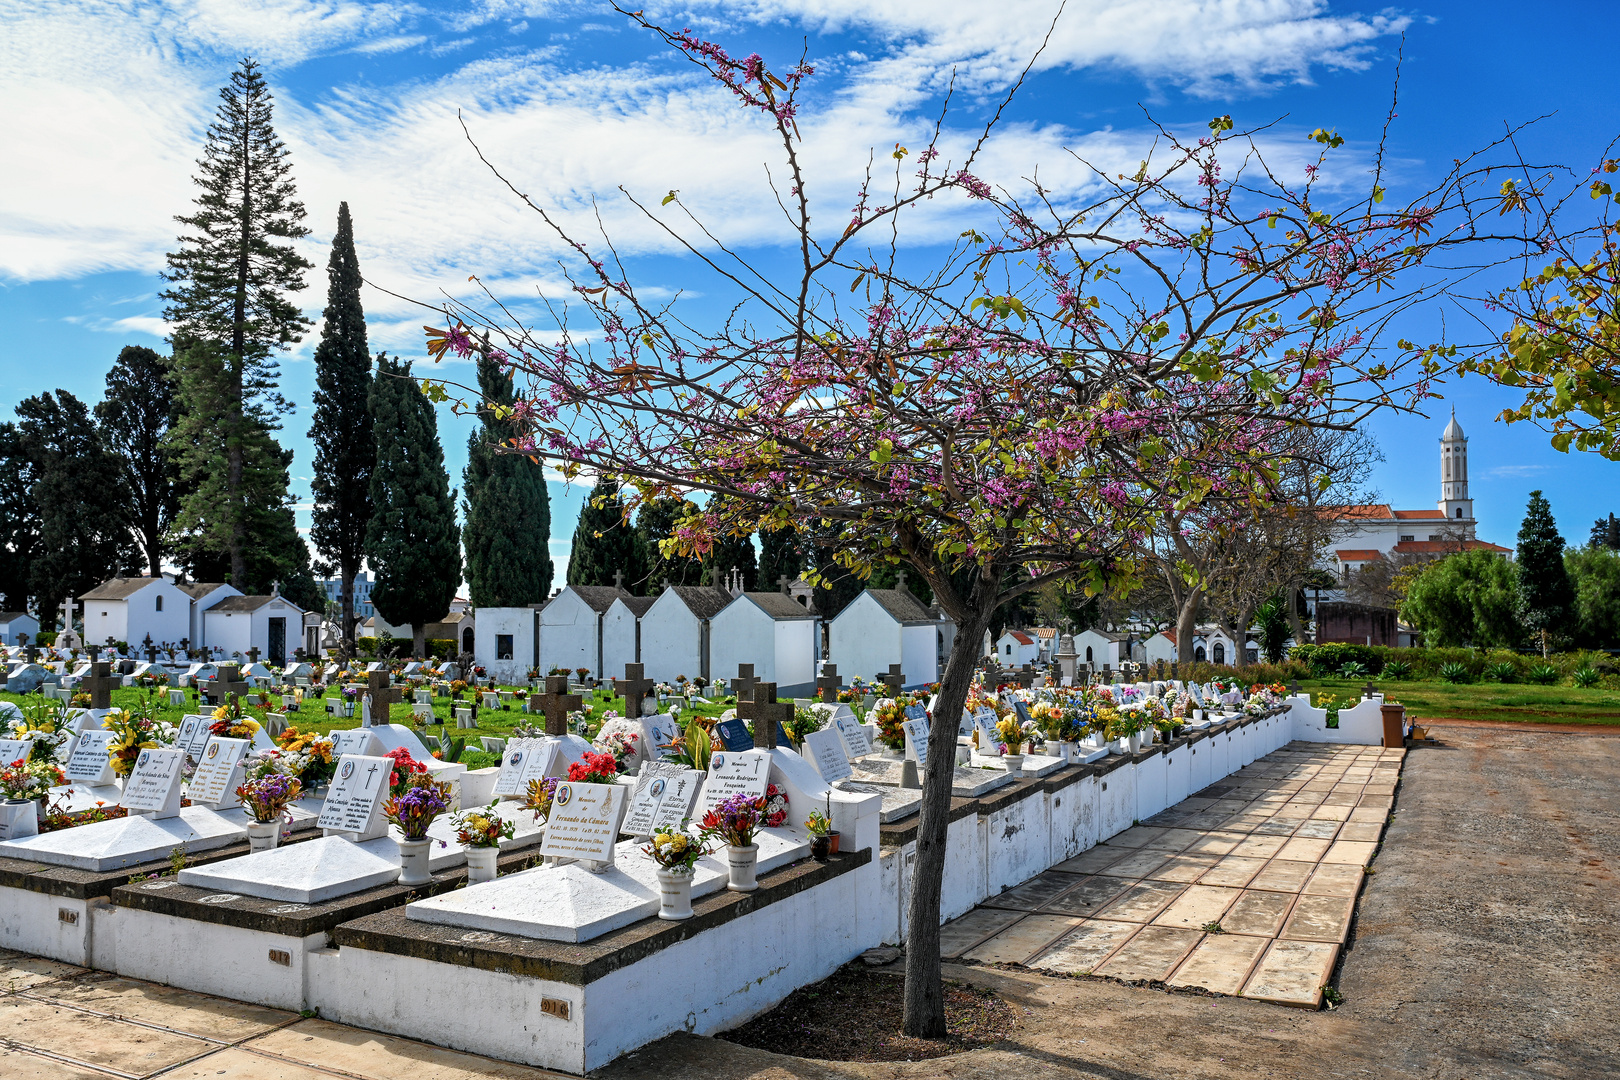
[(1483, 945), (1522, 703)]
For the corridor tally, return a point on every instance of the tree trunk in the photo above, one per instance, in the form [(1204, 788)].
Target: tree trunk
[(1187, 624), (418, 640), (347, 613), (1295, 626), (925, 992)]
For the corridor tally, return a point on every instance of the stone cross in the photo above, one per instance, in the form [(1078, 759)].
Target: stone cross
[(1026, 676), (228, 681), (100, 682), (829, 682), (556, 703), (766, 713), (633, 688), (894, 680), (782, 583), (618, 579), (743, 684), (379, 686), (253, 655)]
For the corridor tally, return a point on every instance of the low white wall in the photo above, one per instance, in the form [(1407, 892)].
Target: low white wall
[(1362, 723)]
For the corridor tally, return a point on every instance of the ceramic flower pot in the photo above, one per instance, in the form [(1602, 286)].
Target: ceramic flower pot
[(19, 818), (833, 837), (1014, 763), (1071, 752), (263, 835), (675, 893), (820, 848), (413, 862), (743, 862), (1054, 748), (481, 864)]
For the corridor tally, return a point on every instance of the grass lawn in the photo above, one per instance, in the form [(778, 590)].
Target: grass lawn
[(496, 723), (1521, 703)]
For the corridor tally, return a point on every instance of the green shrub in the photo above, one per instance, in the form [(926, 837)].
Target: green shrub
[(1587, 676), (1354, 669), (1543, 674), (1396, 669), (441, 649), (1454, 673), (1502, 672)]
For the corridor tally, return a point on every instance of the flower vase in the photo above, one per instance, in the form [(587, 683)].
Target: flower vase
[(675, 893), (1136, 743), (1054, 748), (1014, 763), (821, 847), (263, 835), (413, 862), (1071, 752), (743, 862), (19, 818), (481, 864)]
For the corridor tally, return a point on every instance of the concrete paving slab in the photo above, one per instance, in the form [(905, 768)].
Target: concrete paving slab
[(959, 935), (1185, 868), (1088, 897), (1327, 812), (381, 1057), (1292, 973), (1335, 879), (1282, 875), (1093, 861), (1032, 893), (19, 971), (1320, 918), (1259, 847), (1233, 871), (1353, 852), (1140, 864), (236, 1064), (94, 1040), (1135, 837), (1142, 901), (1319, 829), (19, 1065), (1258, 913), (1083, 948), (193, 1014), (1361, 830), (1220, 963), (1022, 940), (1151, 955), (1196, 908), (1304, 849), (1172, 840)]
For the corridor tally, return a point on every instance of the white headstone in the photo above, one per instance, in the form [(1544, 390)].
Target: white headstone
[(916, 732), (524, 761), (745, 772), (89, 762), (154, 785), (356, 742), (657, 732), (856, 736), (14, 750), (218, 774), (825, 749), (186, 735), (354, 800), (584, 821), (985, 721)]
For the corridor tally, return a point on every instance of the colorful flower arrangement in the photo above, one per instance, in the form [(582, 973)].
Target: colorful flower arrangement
[(594, 769), (483, 828), (776, 806), (734, 821), (675, 851), (620, 738), (268, 796), (229, 723), (414, 809), (1012, 734), (25, 779), (539, 796), (889, 715), (45, 726), (406, 771), (133, 730), (818, 824), (309, 756)]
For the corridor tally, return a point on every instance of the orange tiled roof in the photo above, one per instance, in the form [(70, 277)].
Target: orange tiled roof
[(1420, 515), (1359, 554), (1368, 510)]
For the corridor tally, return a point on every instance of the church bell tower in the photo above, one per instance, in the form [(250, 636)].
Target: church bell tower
[(1454, 500)]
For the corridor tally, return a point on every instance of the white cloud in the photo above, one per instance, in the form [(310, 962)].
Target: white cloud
[(1514, 472)]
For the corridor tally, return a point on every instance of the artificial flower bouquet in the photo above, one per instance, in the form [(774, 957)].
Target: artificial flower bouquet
[(594, 768), (133, 730), (483, 828), (818, 824), (309, 755), (776, 807), (406, 771), (414, 809), (25, 779), (538, 797), (1011, 733), (734, 821), (268, 795), (620, 738), (675, 851), (889, 714)]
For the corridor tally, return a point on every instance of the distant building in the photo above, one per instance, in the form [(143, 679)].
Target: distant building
[(362, 593)]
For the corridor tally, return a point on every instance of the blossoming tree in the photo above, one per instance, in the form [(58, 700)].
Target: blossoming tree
[(1022, 411)]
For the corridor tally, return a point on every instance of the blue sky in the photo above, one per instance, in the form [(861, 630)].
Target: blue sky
[(102, 107)]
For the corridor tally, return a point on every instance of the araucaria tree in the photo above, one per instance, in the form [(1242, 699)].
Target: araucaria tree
[(135, 418), (413, 542), (1546, 598), (231, 316), (506, 508), (341, 427), (1083, 362)]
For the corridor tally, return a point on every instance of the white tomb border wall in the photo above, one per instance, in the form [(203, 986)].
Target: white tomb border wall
[(562, 1006)]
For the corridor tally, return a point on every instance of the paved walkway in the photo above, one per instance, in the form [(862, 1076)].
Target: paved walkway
[(59, 1022), (1246, 889)]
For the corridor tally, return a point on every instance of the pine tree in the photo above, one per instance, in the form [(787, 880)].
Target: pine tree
[(413, 543), (19, 519), (135, 419), (345, 450), (655, 522), (779, 557), (81, 544), (507, 508), (1546, 598), (230, 278), (603, 544)]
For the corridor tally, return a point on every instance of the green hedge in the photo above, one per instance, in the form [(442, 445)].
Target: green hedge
[(392, 647), (1425, 663)]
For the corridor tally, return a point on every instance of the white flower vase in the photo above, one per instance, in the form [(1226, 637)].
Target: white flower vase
[(675, 891), (1014, 763), (1136, 742), (263, 835), (743, 863), (1071, 752), (1054, 748), (481, 864), (413, 862), (19, 818)]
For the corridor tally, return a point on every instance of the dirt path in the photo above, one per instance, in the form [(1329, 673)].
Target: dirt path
[(1485, 946)]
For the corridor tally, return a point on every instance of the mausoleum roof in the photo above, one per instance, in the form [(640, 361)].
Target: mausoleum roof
[(901, 605), (199, 589), (597, 597), (638, 605), (704, 601), (118, 588), (242, 603), (779, 606)]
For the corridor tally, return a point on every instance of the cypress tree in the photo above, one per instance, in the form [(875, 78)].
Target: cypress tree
[(413, 542), (135, 419), (1546, 598), (19, 518), (732, 553), (345, 449), (507, 508), (603, 543), (230, 278), (655, 522), (779, 556), (1606, 532)]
